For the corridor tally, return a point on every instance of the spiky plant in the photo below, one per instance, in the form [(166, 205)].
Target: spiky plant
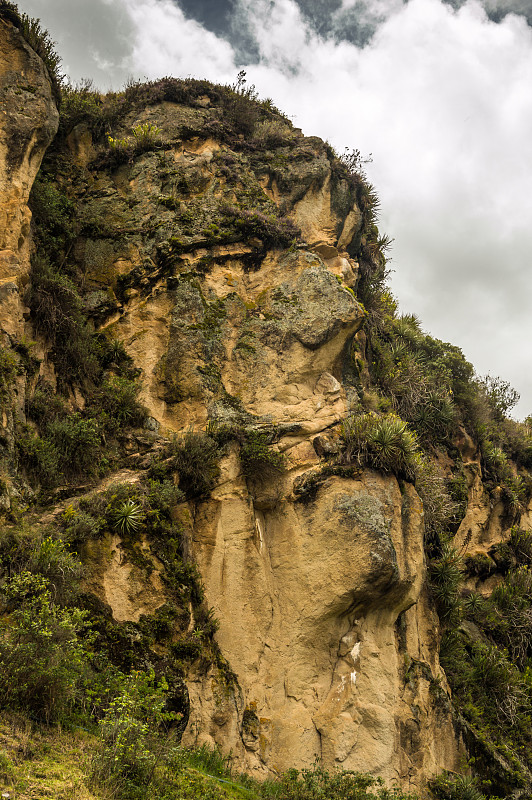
[(128, 517), (446, 576)]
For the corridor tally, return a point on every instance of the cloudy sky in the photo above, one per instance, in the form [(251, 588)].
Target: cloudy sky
[(438, 91)]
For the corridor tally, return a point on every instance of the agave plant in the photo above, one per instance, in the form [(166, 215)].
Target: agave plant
[(128, 517)]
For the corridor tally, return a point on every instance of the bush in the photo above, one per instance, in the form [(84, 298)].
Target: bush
[(319, 784), (195, 457), (42, 659), (9, 369), (79, 527), (383, 443), (258, 459), (57, 312), (77, 441), (451, 787), (39, 458), (132, 743), (446, 578), (53, 215), (116, 404), (442, 512)]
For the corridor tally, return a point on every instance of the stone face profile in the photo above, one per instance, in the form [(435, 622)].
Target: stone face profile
[(226, 273)]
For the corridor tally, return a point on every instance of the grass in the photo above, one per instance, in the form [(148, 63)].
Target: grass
[(46, 762)]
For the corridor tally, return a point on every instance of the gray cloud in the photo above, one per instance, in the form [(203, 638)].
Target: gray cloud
[(440, 94)]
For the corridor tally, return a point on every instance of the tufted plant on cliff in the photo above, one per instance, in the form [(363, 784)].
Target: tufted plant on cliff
[(115, 404), (128, 517), (452, 787), (195, 457), (57, 311), (380, 442), (446, 579), (259, 461), (442, 512), (9, 368)]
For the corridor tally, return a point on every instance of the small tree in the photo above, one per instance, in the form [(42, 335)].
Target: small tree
[(131, 746)]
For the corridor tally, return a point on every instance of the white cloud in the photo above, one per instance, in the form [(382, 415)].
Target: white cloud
[(166, 43)]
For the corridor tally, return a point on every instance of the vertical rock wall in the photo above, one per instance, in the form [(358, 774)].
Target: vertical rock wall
[(28, 123)]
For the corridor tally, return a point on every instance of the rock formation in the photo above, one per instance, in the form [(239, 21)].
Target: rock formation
[(229, 266)]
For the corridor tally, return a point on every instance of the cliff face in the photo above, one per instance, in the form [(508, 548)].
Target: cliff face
[(28, 123), (186, 250), (321, 602)]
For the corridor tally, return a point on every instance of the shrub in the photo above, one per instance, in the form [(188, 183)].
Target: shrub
[(446, 577), (80, 103), (45, 406), (501, 682), (39, 458), (441, 511), (77, 440), (452, 787), (383, 443), (272, 230), (62, 570), (8, 371), (79, 527), (131, 744), (54, 215), (42, 659), (57, 312), (195, 457), (258, 459), (116, 404), (318, 783)]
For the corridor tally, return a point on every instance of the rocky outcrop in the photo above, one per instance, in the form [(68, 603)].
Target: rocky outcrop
[(322, 602), (229, 275), (322, 617), (28, 123)]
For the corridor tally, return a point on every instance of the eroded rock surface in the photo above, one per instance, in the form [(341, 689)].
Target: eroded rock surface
[(28, 123), (190, 256)]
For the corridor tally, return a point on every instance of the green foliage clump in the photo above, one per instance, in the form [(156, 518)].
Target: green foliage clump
[(384, 443), (318, 783), (145, 137), (9, 369), (446, 576), (452, 787), (115, 404), (257, 457), (57, 312), (42, 658), (272, 230), (69, 448), (128, 517), (131, 740), (195, 456), (54, 216)]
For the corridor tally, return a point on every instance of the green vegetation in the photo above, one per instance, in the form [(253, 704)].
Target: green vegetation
[(195, 456)]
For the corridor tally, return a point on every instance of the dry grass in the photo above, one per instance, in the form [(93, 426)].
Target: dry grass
[(38, 763)]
